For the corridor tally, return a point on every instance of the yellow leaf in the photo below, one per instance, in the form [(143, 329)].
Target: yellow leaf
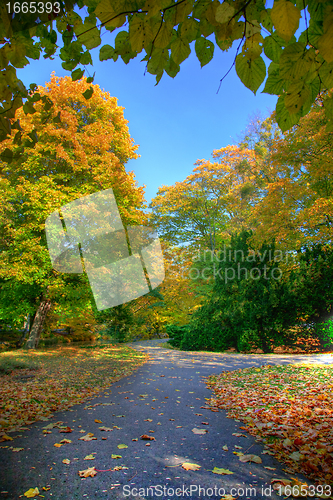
[(88, 472), (140, 33), (285, 17), (325, 44), (116, 456), (6, 438), (98, 421), (121, 446), (188, 466), (224, 12), (88, 437), (66, 461), (250, 458), (57, 445), (225, 448), (31, 493), (89, 457), (217, 470), (199, 431)]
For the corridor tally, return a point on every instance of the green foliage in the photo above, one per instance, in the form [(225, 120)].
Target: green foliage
[(324, 332), (313, 282), (256, 299), (118, 321), (298, 70), (7, 364)]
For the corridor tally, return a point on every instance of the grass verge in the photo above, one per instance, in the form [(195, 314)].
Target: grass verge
[(289, 408), (33, 384)]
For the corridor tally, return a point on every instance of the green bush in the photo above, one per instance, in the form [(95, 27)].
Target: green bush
[(7, 365), (256, 301), (324, 333)]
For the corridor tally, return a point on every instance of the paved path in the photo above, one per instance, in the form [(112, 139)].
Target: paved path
[(164, 399)]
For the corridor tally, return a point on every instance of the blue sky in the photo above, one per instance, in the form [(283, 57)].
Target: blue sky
[(176, 122)]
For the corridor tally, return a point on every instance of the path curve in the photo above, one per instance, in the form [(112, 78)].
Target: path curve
[(163, 399)]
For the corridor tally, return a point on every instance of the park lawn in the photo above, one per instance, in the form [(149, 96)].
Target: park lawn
[(289, 408), (36, 383)]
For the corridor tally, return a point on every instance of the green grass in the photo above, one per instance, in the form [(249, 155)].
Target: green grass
[(56, 379)]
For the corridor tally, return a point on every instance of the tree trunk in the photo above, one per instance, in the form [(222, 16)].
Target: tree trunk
[(36, 329), (25, 331)]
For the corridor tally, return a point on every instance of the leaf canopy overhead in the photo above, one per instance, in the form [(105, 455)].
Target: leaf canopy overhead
[(298, 69)]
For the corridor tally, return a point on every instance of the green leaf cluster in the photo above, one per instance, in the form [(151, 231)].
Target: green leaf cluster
[(297, 70), (256, 302)]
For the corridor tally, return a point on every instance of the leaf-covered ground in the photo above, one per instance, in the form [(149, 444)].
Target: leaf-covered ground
[(56, 379), (289, 408)]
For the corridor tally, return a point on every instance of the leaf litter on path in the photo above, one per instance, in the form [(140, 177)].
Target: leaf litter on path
[(289, 408)]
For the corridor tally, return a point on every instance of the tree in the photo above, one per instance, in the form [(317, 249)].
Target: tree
[(299, 69), (258, 302), (83, 147), (298, 204), (211, 203)]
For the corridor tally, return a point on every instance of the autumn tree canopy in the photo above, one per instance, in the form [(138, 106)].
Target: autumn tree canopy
[(212, 202), (295, 61), (83, 148), (297, 209)]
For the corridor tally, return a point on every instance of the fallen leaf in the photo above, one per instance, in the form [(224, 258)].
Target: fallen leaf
[(147, 438), (17, 449), (250, 458), (217, 470), (120, 467), (89, 457), (238, 447), (4, 437), (148, 420), (116, 456), (66, 461), (225, 448), (121, 446), (199, 431), (88, 472), (269, 468), (296, 455), (88, 437), (57, 445), (189, 466), (31, 493), (65, 441), (66, 429), (105, 428), (98, 421)]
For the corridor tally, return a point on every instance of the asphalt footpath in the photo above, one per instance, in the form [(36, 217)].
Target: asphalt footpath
[(164, 400)]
